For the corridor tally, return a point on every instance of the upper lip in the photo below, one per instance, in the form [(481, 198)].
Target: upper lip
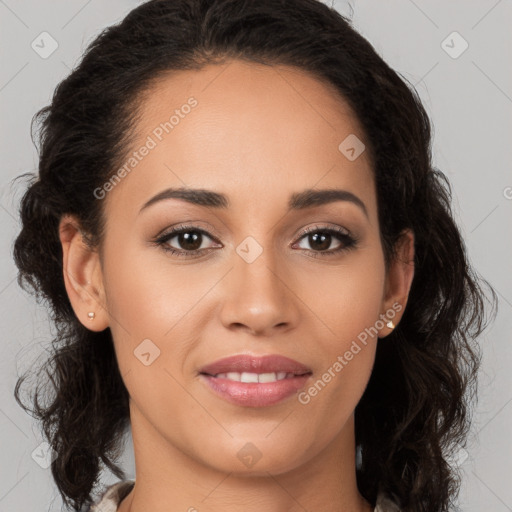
[(255, 364)]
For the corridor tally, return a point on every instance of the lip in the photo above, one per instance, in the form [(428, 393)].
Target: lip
[(255, 364), (251, 394)]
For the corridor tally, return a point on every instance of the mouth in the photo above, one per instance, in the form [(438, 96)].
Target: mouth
[(255, 381), (260, 378)]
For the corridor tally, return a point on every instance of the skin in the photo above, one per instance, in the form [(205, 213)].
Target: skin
[(258, 134)]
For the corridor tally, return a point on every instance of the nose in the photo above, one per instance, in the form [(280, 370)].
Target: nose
[(258, 297)]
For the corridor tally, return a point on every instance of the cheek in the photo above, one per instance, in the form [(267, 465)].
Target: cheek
[(346, 303), (150, 305), (147, 293), (345, 299), (150, 308)]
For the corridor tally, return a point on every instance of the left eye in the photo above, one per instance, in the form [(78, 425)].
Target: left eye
[(322, 239)]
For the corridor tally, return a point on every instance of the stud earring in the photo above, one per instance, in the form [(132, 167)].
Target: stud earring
[(390, 324), (91, 315)]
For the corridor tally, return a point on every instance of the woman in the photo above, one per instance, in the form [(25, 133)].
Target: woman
[(251, 263)]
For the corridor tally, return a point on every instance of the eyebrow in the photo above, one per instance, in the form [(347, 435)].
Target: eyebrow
[(298, 201)]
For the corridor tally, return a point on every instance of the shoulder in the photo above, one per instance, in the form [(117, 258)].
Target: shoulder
[(112, 496)]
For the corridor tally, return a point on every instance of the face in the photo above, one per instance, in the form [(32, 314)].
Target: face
[(265, 268)]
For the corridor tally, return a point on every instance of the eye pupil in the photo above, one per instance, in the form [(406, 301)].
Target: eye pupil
[(323, 245), (186, 239)]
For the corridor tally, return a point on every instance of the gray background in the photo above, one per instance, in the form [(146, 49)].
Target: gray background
[(469, 99)]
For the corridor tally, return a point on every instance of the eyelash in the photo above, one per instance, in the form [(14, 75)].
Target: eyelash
[(348, 241)]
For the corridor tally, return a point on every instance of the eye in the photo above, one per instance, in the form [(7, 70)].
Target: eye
[(189, 238), (320, 239), (190, 241)]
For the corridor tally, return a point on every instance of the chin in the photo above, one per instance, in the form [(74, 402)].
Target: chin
[(256, 458)]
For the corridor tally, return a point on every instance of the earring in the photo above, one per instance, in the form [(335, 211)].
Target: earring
[(390, 324), (91, 315)]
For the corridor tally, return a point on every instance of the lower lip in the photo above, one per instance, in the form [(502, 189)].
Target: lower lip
[(253, 394)]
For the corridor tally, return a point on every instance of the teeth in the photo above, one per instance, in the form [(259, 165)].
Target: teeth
[(267, 377), (249, 377), (254, 377)]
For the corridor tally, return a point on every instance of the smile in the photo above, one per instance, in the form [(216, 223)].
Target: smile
[(255, 381), (254, 377)]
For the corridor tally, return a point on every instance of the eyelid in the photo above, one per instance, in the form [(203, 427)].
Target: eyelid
[(192, 225), (312, 229)]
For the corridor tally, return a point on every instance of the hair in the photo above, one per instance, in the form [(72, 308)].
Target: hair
[(416, 407)]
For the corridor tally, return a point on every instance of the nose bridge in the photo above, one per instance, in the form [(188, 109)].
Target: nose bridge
[(255, 270), (258, 296)]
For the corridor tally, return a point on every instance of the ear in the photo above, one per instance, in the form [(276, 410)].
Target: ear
[(398, 283), (82, 275)]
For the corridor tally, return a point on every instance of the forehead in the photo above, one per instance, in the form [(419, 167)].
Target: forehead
[(247, 130)]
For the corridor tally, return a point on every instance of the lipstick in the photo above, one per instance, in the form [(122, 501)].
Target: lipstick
[(253, 381)]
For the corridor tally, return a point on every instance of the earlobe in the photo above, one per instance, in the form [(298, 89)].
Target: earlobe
[(398, 283), (82, 275)]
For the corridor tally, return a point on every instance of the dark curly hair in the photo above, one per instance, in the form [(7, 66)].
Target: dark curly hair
[(415, 409)]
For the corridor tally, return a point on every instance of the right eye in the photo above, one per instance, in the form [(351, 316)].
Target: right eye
[(190, 238)]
